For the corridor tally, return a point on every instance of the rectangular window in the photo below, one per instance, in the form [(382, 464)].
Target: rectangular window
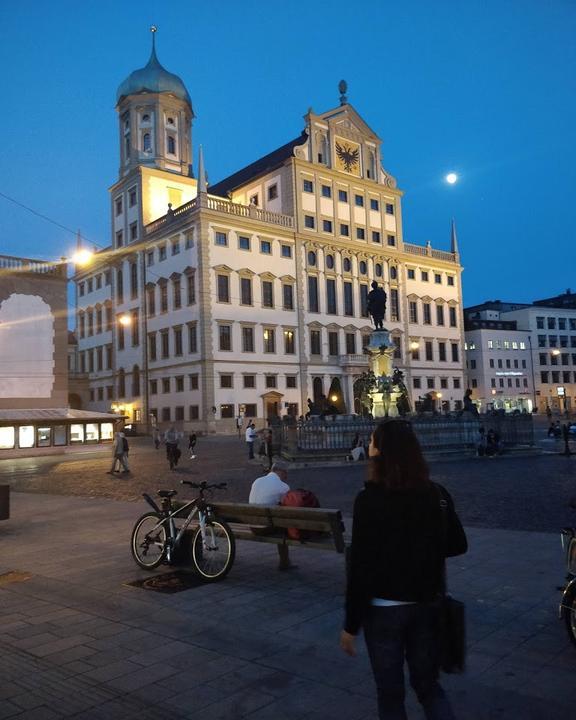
[(162, 253), (342, 196), (437, 278), (247, 339), (134, 231), (165, 343), (455, 352), (226, 411), (427, 313), (452, 316), (226, 381), (308, 186), (440, 314), (413, 309), (429, 351), (132, 197), (177, 341), (312, 293), (391, 240), (331, 308), (561, 323), (315, 346), (286, 251), (267, 294), (108, 318), (152, 346), (288, 297), (424, 275), (166, 414), (118, 206), (375, 236), (397, 348), (291, 381), (192, 339), (166, 385), (551, 323), (163, 298), (430, 383), (120, 337), (249, 381), (191, 289), (394, 305), (270, 381), (416, 382), (411, 274), (442, 351), (350, 343), (243, 242), (272, 192), (348, 299), (309, 221), (450, 280), (327, 226), (179, 383), (269, 336), (266, 247), (150, 258), (223, 288), (289, 345), (389, 209), (176, 293), (153, 387), (221, 238), (359, 200), (225, 337), (363, 300), (443, 383), (344, 229), (179, 413), (374, 204), (245, 291), (326, 191), (333, 343), (193, 380), (360, 233)]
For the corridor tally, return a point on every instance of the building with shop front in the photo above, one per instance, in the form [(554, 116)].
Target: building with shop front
[(34, 414), (548, 329), (248, 297)]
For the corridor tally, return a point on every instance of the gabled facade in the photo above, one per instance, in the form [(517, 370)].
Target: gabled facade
[(248, 297)]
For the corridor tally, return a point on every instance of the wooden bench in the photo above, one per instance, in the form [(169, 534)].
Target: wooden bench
[(327, 525)]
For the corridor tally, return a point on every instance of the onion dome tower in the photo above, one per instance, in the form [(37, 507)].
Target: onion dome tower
[(155, 119)]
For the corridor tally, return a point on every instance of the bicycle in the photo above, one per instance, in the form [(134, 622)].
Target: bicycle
[(156, 539)]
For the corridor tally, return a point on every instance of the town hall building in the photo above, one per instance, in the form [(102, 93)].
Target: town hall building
[(247, 297)]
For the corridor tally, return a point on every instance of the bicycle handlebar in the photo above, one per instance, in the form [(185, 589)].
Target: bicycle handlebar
[(204, 485)]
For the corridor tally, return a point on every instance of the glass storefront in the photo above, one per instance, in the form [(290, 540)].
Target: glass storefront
[(92, 434), (7, 438), (26, 436), (60, 435), (45, 435), (107, 431)]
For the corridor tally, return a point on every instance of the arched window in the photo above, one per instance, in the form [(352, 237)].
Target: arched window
[(347, 264), (146, 118), (121, 383), (170, 121), (393, 273), (378, 270), (171, 145), (312, 258), (146, 142), (362, 267), (330, 262), (135, 381), (371, 165), (317, 388)]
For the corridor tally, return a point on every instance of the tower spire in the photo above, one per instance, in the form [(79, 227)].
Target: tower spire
[(453, 239), (202, 185), (153, 30)]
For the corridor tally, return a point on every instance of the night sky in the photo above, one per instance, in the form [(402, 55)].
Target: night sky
[(485, 89)]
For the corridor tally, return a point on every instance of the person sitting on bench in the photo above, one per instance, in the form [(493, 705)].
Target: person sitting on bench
[(269, 490)]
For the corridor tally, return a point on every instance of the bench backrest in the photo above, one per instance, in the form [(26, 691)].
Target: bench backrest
[(318, 519)]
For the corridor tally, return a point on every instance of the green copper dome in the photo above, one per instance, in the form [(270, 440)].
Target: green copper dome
[(153, 79)]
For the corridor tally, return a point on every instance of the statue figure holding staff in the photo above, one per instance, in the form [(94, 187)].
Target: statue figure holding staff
[(377, 305)]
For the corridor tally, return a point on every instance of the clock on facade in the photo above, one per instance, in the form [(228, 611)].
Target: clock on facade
[(347, 156)]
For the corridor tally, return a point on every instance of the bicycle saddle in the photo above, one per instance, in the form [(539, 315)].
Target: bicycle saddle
[(166, 493)]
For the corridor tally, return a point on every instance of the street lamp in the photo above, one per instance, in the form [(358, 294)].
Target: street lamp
[(82, 257), (125, 320), (414, 345)]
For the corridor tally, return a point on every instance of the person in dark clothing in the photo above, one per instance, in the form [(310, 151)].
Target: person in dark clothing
[(376, 305), (396, 576)]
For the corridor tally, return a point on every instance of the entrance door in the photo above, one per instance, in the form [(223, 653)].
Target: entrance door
[(271, 408)]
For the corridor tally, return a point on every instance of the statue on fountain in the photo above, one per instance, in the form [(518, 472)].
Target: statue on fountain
[(377, 305)]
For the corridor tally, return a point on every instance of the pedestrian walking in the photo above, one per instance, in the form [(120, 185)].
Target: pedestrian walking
[(404, 527), (171, 439), (156, 437), (120, 450), (250, 436), (192, 439)]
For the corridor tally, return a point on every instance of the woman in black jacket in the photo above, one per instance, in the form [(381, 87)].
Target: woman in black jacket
[(396, 575)]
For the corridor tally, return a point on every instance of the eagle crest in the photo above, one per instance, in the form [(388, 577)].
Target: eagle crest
[(348, 156)]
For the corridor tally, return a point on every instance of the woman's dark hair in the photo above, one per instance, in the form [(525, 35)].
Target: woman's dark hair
[(401, 463)]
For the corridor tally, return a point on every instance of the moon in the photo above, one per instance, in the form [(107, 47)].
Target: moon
[(451, 178)]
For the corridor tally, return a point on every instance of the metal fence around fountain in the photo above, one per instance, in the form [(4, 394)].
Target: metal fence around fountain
[(334, 436)]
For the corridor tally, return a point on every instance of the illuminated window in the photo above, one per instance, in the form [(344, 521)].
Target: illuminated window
[(92, 434), (26, 436), (7, 438), (76, 433)]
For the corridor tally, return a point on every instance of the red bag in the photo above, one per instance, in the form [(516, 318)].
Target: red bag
[(300, 498)]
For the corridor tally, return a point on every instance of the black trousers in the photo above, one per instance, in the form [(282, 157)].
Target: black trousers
[(408, 632)]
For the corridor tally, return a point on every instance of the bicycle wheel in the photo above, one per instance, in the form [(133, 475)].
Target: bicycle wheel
[(212, 560), (148, 543)]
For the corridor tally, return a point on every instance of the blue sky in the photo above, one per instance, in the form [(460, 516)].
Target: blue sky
[(486, 89)]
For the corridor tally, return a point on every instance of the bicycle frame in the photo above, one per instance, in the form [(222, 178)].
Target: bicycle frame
[(198, 507)]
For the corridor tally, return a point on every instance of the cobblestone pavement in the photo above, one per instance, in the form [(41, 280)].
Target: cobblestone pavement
[(77, 642), (513, 492)]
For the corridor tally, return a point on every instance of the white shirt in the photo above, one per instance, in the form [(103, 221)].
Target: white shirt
[(250, 434), (267, 490)]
